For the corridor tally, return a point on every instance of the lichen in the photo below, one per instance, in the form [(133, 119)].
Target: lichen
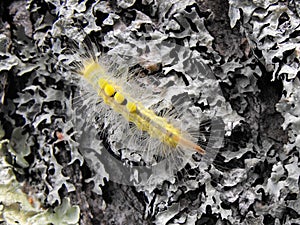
[(18, 207), (238, 63)]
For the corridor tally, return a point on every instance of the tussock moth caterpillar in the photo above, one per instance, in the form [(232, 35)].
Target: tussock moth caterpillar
[(145, 120), (150, 119)]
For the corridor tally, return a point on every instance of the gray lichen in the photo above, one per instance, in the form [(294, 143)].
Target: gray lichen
[(18, 207), (237, 62)]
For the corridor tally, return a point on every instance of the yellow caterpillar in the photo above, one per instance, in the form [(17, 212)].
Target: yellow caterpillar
[(157, 127)]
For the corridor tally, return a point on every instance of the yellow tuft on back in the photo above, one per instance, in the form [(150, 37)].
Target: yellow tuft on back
[(109, 90), (119, 98), (131, 107)]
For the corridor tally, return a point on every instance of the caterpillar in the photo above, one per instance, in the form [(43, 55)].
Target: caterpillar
[(127, 104), (133, 111)]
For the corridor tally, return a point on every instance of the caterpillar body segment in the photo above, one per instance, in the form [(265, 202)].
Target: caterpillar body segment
[(133, 111)]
